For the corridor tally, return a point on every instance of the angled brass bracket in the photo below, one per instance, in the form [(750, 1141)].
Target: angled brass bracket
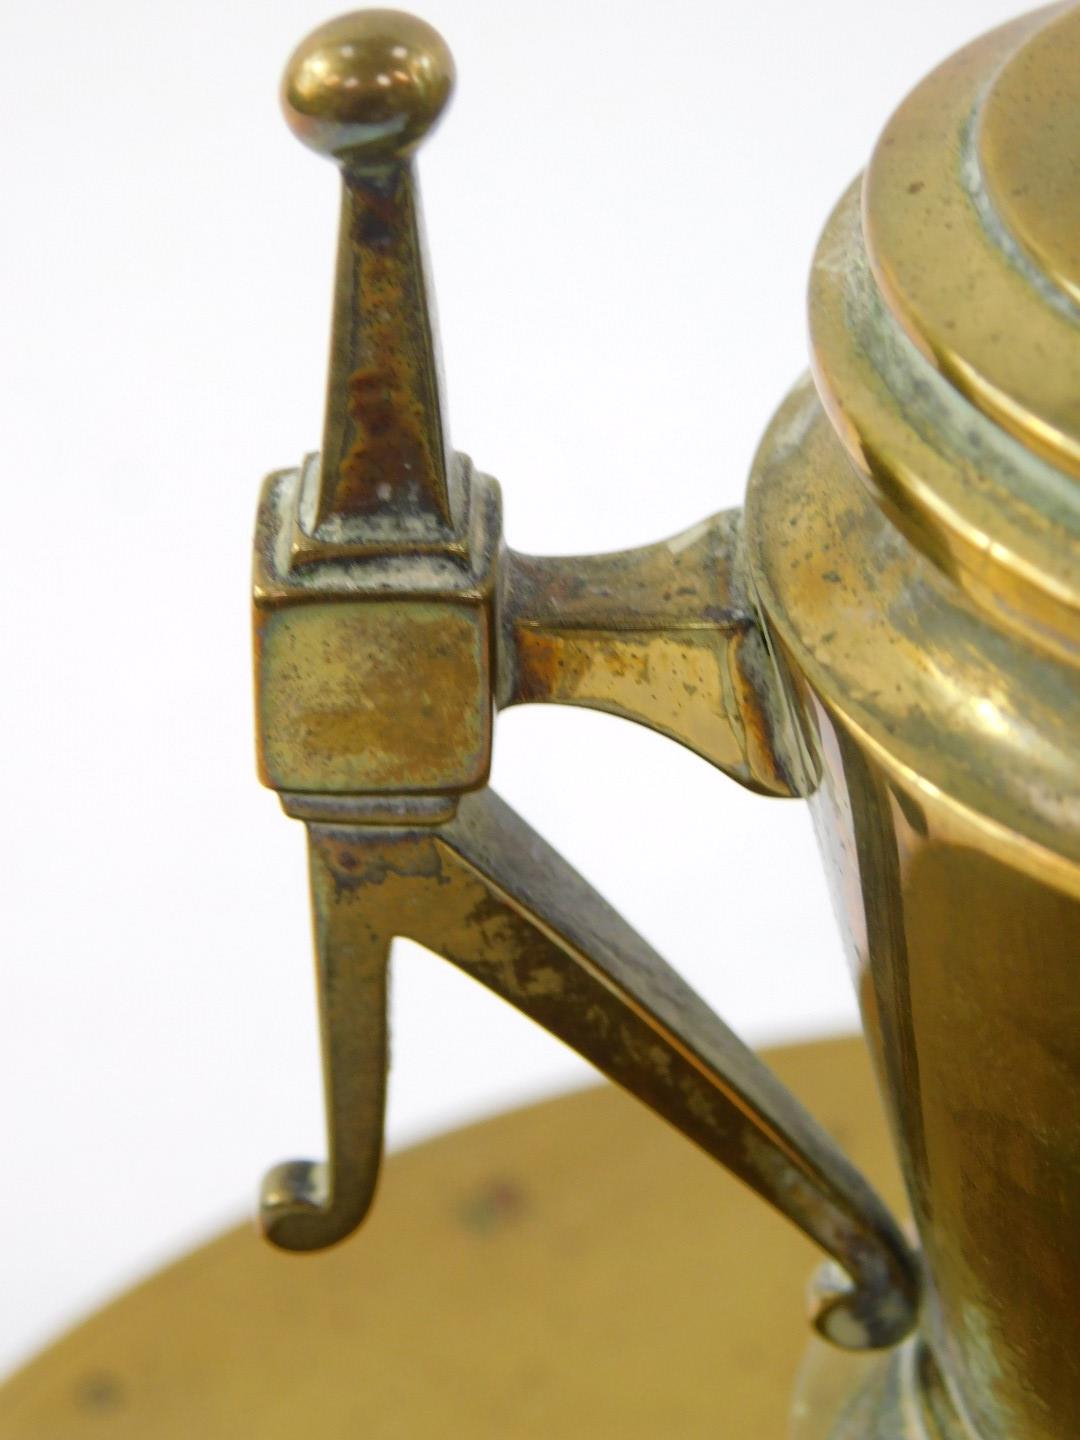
[(666, 635), (486, 892), (391, 622)]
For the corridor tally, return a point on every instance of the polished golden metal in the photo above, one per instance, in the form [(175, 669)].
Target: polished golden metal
[(951, 240), (917, 266), (573, 1269), (487, 893), (368, 87), (891, 629), (390, 620), (915, 548), (366, 90), (665, 635)]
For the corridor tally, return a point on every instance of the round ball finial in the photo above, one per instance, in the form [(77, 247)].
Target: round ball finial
[(366, 88)]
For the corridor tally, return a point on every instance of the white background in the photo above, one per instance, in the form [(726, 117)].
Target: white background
[(622, 206)]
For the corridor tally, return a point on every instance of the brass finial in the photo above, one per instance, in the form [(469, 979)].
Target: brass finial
[(365, 89)]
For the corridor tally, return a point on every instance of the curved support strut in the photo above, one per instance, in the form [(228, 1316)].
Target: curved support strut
[(490, 895)]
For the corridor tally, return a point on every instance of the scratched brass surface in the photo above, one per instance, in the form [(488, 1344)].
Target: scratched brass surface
[(957, 289), (942, 249), (574, 1269), (913, 532), (891, 629), (948, 816), (487, 893), (391, 621), (1029, 161)]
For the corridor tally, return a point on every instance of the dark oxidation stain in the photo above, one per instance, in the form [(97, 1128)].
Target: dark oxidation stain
[(100, 1391), (493, 1206)]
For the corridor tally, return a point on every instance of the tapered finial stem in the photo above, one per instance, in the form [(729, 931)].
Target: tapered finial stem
[(365, 89)]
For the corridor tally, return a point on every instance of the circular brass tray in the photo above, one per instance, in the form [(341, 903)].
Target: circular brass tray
[(574, 1269)]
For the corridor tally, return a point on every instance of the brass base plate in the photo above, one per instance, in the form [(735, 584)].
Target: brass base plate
[(574, 1269)]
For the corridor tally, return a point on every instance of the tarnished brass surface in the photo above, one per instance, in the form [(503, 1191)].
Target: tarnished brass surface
[(365, 90), (892, 629), (1000, 330), (486, 892), (1027, 133), (573, 1270), (998, 521), (963, 704), (390, 620), (920, 304), (917, 561), (940, 812), (665, 635)]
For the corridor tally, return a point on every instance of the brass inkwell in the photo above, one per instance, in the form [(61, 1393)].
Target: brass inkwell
[(889, 629)]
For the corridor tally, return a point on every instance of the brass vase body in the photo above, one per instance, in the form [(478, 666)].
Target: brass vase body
[(935, 676), (963, 935)]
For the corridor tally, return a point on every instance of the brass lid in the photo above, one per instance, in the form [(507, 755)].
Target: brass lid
[(945, 320)]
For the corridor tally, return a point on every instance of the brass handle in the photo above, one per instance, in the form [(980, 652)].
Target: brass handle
[(666, 635), (390, 620)]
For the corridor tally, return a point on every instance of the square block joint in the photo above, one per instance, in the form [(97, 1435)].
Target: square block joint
[(373, 675)]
